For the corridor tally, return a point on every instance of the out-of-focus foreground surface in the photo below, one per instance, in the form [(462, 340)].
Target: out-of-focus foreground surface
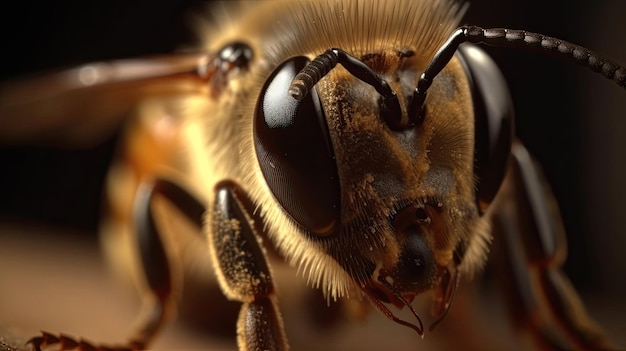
[(63, 286)]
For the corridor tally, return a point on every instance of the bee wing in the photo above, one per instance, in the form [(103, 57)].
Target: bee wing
[(83, 105)]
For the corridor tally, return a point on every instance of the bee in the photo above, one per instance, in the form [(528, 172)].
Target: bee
[(362, 157)]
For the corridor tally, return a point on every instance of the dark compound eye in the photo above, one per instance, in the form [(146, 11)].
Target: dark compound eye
[(494, 119), (295, 153)]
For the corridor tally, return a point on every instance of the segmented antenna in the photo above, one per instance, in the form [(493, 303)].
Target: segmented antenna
[(511, 38), (315, 70)]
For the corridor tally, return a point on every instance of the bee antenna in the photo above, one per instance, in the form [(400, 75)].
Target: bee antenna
[(315, 70), (510, 38)]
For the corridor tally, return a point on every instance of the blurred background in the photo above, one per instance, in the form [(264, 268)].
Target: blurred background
[(569, 118)]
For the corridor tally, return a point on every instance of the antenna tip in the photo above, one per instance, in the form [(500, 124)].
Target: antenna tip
[(297, 90)]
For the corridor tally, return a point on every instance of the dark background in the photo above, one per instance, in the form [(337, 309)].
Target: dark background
[(570, 119)]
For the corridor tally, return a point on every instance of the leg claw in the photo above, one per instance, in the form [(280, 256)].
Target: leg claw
[(67, 343)]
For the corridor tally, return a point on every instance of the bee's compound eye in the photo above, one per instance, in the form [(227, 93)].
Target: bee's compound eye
[(494, 120), (295, 153)]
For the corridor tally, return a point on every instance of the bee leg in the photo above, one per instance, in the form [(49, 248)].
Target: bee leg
[(243, 271), (156, 268), (66, 343), (533, 240), (155, 263)]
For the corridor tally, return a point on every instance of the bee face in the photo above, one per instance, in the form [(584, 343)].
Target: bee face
[(406, 196), (359, 205), (374, 198)]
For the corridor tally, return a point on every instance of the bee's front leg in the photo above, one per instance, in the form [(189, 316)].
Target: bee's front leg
[(243, 271), (159, 302), (155, 262), (533, 248)]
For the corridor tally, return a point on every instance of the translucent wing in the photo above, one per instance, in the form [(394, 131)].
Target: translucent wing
[(80, 106)]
